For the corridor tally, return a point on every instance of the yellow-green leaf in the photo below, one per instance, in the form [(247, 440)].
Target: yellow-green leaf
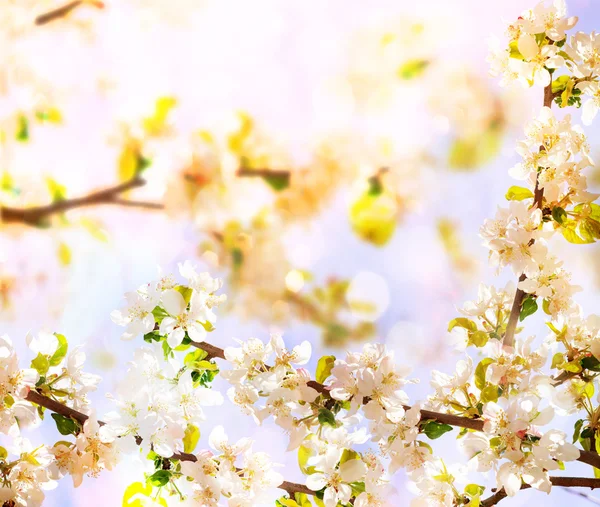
[(516, 193), (190, 438), (324, 367), (64, 254)]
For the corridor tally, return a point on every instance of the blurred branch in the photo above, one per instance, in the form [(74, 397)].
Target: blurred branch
[(245, 172), (64, 10), (34, 215)]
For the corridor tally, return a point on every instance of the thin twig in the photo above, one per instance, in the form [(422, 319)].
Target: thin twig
[(63, 11), (538, 197), (565, 482), (245, 172), (36, 214)]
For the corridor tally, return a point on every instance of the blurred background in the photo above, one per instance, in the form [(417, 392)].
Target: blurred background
[(331, 161)]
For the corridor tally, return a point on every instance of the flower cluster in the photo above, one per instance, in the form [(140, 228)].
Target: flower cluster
[(23, 480), (158, 401), (217, 474)]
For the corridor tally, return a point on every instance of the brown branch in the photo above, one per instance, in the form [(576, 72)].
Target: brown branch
[(58, 408), (63, 11), (564, 482), (245, 172), (538, 197), (34, 215)]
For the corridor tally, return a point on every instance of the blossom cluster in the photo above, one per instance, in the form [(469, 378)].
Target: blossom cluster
[(58, 375), (216, 473)]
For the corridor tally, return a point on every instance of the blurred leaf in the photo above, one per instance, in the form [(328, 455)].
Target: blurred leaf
[(374, 218), (476, 151), (50, 115), (22, 133), (95, 229), (64, 254), (412, 68), (156, 124)]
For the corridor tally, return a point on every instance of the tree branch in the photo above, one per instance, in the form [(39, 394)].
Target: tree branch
[(64, 10), (564, 482), (58, 408), (34, 215), (245, 172), (538, 196)]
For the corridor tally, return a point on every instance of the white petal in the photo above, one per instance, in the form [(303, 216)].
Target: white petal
[(173, 302)]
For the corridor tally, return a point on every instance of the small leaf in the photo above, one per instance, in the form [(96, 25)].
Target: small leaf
[(559, 214), (528, 308), (64, 254), (434, 429), (278, 182), (57, 191), (326, 417), (22, 133), (480, 372), (159, 478), (66, 425), (516, 193), (412, 68), (40, 364), (137, 490), (190, 438), (324, 367), (61, 350), (463, 322)]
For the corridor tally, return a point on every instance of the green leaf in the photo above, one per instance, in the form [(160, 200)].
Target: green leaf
[(324, 367), (559, 214), (434, 429), (66, 425), (326, 417), (190, 438), (480, 372), (516, 193), (412, 68), (159, 478), (528, 308), (40, 364), (590, 363), (61, 350)]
